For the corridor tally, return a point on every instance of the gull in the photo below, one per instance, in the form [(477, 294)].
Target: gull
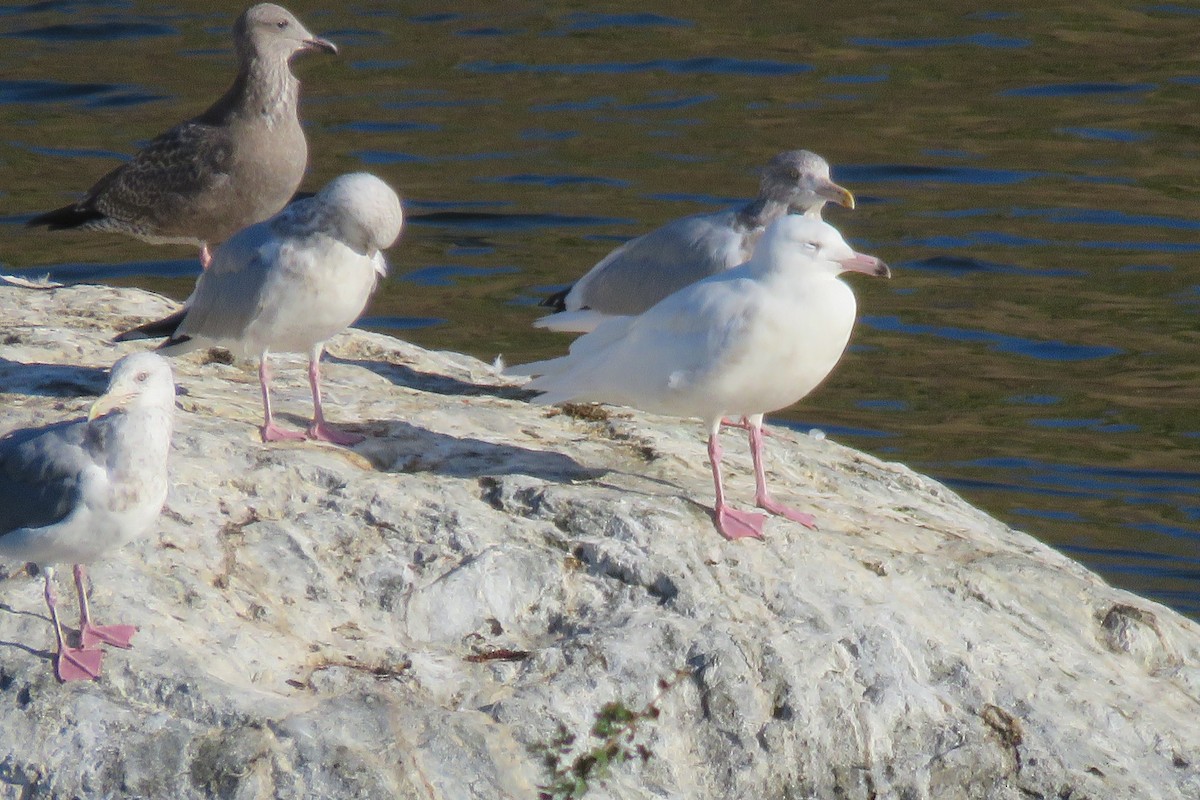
[(289, 284), (747, 341), (234, 165), (644, 270), (73, 491)]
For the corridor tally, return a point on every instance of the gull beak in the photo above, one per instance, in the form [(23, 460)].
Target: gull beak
[(317, 43), (836, 194), (868, 265), (108, 402)]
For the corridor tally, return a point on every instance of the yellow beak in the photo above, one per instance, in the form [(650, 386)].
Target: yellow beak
[(107, 402), (836, 194)]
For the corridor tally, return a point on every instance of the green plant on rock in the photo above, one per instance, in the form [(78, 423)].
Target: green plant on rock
[(574, 765)]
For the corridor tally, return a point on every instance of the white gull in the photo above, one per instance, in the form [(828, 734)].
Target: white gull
[(750, 340), (288, 285)]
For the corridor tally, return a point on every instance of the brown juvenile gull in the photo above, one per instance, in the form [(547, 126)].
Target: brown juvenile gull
[(644, 270), (747, 341), (234, 165), (288, 285), (73, 491)]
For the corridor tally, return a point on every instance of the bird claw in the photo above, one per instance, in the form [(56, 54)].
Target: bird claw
[(78, 664), (794, 514), (273, 433), (116, 635), (734, 524), (327, 433)]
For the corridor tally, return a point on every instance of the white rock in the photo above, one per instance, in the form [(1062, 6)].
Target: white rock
[(307, 611)]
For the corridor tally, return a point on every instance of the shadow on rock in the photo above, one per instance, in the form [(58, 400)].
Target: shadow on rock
[(52, 380), (433, 383), (407, 448)]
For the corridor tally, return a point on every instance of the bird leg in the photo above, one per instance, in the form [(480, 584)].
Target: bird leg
[(320, 429), (269, 430), (762, 497), (205, 257), (732, 524), (73, 663), (91, 635), (745, 425)]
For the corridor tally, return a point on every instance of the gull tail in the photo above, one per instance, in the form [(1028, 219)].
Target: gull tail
[(157, 329), (557, 301), (72, 216)]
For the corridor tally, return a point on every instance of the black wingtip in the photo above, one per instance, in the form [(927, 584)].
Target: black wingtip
[(556, 301), (64, 218), (157, 329)]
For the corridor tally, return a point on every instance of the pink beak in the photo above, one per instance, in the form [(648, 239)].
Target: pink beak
[(869, 265)]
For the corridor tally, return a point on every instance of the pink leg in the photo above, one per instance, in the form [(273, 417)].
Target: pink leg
[(744, 425), (73, 663), (91, 635), (762, 497), (269, 430), (205, 257), (732, 524), (320, 429)]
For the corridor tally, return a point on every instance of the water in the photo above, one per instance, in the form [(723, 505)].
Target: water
[(1030, 176)]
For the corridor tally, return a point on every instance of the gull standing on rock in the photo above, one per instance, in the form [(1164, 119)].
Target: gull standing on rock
[(234, 165), (644, 270), (288, 285), (750, 340), (71, 492)]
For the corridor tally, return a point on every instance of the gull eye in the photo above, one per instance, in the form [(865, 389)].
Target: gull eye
[(283, 23), (141, 377), (794, 174)]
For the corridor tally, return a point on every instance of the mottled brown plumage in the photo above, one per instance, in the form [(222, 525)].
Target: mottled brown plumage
[(232, 166)]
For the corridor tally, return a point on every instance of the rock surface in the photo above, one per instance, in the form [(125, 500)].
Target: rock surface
[(320, 622)]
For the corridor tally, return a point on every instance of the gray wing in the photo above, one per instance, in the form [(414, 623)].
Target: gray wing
[(158, 185), (40, 474), (643, 271), (228, 295)]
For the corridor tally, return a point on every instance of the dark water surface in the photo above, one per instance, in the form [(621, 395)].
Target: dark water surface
[(1031, 176)]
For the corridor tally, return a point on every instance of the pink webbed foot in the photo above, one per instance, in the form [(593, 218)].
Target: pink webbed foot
[(734, 524), (78, 664), (323, 432), (794, 514), (273, 433), (116, 635)]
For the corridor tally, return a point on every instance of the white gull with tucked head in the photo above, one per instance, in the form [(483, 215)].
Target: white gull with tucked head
[(289, 284), (72, 492), (644, 270), (750, 340)]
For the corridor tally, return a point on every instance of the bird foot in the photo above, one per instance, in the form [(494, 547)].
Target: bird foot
[(327, 433), (78, 664), (794, 514), (734, 524), (273, 433), (116, 635)]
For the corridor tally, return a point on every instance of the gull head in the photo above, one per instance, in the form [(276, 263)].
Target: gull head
[(815, 246), (361, 210), (270, 31), (138, 381), (800, 179)]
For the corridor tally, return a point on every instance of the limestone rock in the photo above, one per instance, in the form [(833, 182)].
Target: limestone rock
[(408, 618)]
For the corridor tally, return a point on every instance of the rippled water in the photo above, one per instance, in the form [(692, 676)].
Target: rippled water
[(1031, 176)]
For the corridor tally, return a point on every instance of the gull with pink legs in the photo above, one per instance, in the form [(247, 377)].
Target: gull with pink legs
[(288, 285), (744, 342), (73, 491)]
